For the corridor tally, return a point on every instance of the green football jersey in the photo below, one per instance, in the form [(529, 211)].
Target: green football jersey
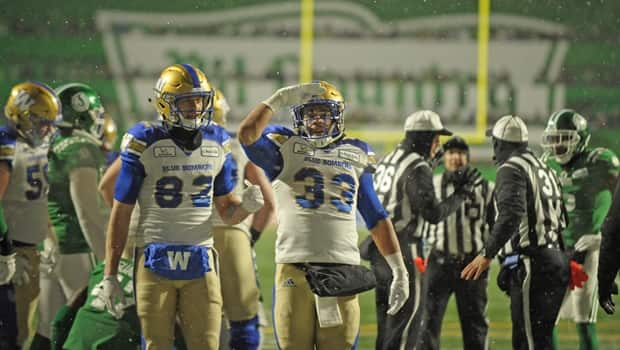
[(94, 327), (587, 181), (68, 153)]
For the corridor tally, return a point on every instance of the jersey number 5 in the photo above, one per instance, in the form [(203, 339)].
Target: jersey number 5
[(37, 178)]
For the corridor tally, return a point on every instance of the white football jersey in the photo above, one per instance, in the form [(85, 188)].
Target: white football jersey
[(176, 196), (25, 199), (317, 192)]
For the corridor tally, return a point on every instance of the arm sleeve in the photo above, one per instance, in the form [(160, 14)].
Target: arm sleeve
[(609, 259), (129, 181), (83, 181), (368, 202), (227, 178), (510, 194), (4, 228), (602, 203), (265, 152), (421, 194)]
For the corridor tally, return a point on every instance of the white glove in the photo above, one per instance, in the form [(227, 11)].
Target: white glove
[(22, 271), (399, 289), (588, 242), (49, 260), (7, 268), (113, 296), (252, 199), (293, 95)]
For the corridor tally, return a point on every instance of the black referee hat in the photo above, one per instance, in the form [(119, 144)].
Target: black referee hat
[(456, 142)]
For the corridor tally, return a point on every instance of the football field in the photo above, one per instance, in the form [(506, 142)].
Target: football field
[(499, 314)]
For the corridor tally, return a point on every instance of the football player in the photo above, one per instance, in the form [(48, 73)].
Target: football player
[(323, 178), (31, 110), (177, 171), (234, 244), (588, 177), (75, 160)]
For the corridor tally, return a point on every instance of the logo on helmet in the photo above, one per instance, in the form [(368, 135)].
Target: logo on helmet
[(80, 102)]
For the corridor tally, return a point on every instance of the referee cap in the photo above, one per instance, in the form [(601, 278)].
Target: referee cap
[(509, 128), (425, 120)]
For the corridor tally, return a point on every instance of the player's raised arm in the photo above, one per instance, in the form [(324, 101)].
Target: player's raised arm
[(256, 121)]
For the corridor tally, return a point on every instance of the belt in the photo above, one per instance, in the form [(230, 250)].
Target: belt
[(459, 257), (533, 250)]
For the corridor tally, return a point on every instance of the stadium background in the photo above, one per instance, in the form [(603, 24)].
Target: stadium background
[(389, 58)]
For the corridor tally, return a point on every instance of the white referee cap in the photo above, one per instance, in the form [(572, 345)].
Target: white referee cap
[(425, 121), (509, 128)]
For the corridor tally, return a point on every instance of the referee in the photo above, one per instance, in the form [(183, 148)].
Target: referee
[(609, 259), (404, 182), (455, 242), (530, 217)]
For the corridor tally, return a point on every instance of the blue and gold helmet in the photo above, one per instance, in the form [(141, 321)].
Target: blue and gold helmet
[(220, 108), (566, 134), (184, 97), (33, 108), (320, 120)]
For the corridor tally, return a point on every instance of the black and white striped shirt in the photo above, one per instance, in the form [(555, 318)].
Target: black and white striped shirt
[(528, 204), (404, 183), (466, 230)]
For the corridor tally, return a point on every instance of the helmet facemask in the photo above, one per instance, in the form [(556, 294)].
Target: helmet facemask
[(191, 110), (561, 144), (34, 129), (319, 121)]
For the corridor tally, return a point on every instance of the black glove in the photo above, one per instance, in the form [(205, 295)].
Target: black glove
[(605, 299), (255, 235), (465, 179), (6, 246)]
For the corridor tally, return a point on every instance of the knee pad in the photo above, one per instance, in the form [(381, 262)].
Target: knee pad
[(245, 335)]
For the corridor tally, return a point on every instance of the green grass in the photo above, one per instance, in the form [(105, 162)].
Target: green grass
[(499, 313)]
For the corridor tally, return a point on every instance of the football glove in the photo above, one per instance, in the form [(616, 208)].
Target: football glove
[(22, 271), (293, 95), (7, 268), (252, 199), (113, 296), (588, 242), (49, 260), (399, 289)]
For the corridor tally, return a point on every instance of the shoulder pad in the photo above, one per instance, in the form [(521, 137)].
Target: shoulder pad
[(138, 137), (370, 154), (604, 157), (278, 134), (218, 134)]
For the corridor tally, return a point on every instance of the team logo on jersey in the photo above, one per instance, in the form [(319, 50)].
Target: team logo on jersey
[(353, 156), (301, 148), (164, 151), (209, 151)]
